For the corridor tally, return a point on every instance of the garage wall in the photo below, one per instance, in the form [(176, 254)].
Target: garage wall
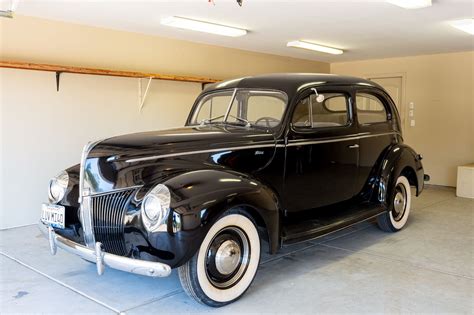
[(43, 41), (442, 88), (43, 131)]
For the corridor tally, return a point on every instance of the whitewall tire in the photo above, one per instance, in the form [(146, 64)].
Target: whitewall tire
[(396, 218), (226, 262)]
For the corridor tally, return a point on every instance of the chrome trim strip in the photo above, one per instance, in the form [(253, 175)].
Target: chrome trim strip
[(102, 259), (86, 218), (350, 138), (85, 152), (148, 158), (256, 146), (108, 192), (84, 198)]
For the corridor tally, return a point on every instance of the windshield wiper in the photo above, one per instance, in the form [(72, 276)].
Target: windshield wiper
[(210, 120), (247, 123)]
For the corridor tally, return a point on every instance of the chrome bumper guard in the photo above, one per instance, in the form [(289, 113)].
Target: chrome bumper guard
[(101, 258)]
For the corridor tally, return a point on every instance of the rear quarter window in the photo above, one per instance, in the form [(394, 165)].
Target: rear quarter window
[(370, 109)]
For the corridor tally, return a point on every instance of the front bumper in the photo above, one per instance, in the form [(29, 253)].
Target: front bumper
[(101, 258)]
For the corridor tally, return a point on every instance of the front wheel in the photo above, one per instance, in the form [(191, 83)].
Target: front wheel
[(226, 263), (396, 218)]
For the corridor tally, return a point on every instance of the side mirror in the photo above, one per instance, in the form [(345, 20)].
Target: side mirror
[(319, 97)]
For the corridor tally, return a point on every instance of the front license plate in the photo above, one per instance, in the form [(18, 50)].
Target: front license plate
[(53, 215)]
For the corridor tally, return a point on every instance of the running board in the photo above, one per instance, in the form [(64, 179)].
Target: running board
[(311, 229)]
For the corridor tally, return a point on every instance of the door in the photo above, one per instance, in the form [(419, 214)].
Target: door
[(394, 87), (321, 157)]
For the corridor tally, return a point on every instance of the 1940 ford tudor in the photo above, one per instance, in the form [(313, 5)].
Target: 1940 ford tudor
[(282, 158)]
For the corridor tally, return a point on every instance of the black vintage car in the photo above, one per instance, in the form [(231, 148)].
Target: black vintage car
[(281, 158)]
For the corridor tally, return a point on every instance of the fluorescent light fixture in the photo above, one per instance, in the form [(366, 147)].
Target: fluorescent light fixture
[(201, 26), (316, 47), (411, 4), (11, 11), (466, 25)]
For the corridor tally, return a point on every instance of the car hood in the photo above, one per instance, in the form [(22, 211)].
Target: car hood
[(180, 141), (145, 159)]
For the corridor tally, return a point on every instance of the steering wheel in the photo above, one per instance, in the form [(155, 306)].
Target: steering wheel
[(267, 120)]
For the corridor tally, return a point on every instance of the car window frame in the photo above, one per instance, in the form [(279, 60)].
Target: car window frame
[(321, 90), (382, 98), (189, 120), (198, 104), (284, 98), (330, 110)]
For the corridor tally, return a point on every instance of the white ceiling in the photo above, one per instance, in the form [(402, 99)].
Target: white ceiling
[(365, 29)]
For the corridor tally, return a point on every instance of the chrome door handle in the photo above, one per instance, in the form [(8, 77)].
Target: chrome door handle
[(354, 146)]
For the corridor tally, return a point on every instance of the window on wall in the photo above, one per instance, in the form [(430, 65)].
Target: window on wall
[(370, 109), (331, 112)]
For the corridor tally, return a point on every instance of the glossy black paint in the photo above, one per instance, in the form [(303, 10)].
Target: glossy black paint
[(297, 184)]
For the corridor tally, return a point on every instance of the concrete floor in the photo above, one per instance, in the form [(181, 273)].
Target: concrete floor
[(426, 268)]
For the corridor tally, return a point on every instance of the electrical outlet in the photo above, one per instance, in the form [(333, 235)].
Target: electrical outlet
[(411, 113), (412, 123), (411, 105)]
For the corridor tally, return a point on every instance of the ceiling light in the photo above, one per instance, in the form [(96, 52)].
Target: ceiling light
[(201, 26), (466, 25), (8, 13), (411, 4), (311, 46)]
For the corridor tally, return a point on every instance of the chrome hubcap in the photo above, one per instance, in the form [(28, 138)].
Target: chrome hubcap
[(399, 202), (227, 257)]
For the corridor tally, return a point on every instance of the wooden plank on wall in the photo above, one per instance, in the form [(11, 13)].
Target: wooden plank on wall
[(105, 72)]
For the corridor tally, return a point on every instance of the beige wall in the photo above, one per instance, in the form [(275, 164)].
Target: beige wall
[(442, 88), (43, 41), (42, 131)]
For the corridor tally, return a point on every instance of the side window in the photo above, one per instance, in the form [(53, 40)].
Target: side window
[(331, 112), (370, 109)]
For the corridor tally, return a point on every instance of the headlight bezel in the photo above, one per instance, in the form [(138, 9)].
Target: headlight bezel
[(57, 187), (155, 207)]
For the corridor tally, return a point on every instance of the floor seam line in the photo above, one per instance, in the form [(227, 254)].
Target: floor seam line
[(60, 282), (310, 246), (17, 227), (401, 261), (345, 234), (434, 203), (172, 293)]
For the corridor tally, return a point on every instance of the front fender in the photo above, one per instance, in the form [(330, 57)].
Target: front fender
[(200, 197), (399, 159)]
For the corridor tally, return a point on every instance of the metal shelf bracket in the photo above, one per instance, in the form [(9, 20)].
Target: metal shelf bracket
[(141, 95), (58, 77)]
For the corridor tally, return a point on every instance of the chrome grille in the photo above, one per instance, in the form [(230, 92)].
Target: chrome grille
[(108, 213)]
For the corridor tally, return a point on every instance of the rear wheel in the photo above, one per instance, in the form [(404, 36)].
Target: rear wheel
[(396, 218), (226, 263)]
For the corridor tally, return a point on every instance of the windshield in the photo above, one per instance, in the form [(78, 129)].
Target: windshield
[(246, 107)]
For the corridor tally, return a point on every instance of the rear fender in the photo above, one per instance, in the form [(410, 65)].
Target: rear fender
[(400, 159)]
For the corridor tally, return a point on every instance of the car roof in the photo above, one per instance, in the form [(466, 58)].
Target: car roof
[(290, 83)]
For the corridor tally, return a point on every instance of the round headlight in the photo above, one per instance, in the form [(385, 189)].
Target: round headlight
[(58, 187), (156, 207)]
